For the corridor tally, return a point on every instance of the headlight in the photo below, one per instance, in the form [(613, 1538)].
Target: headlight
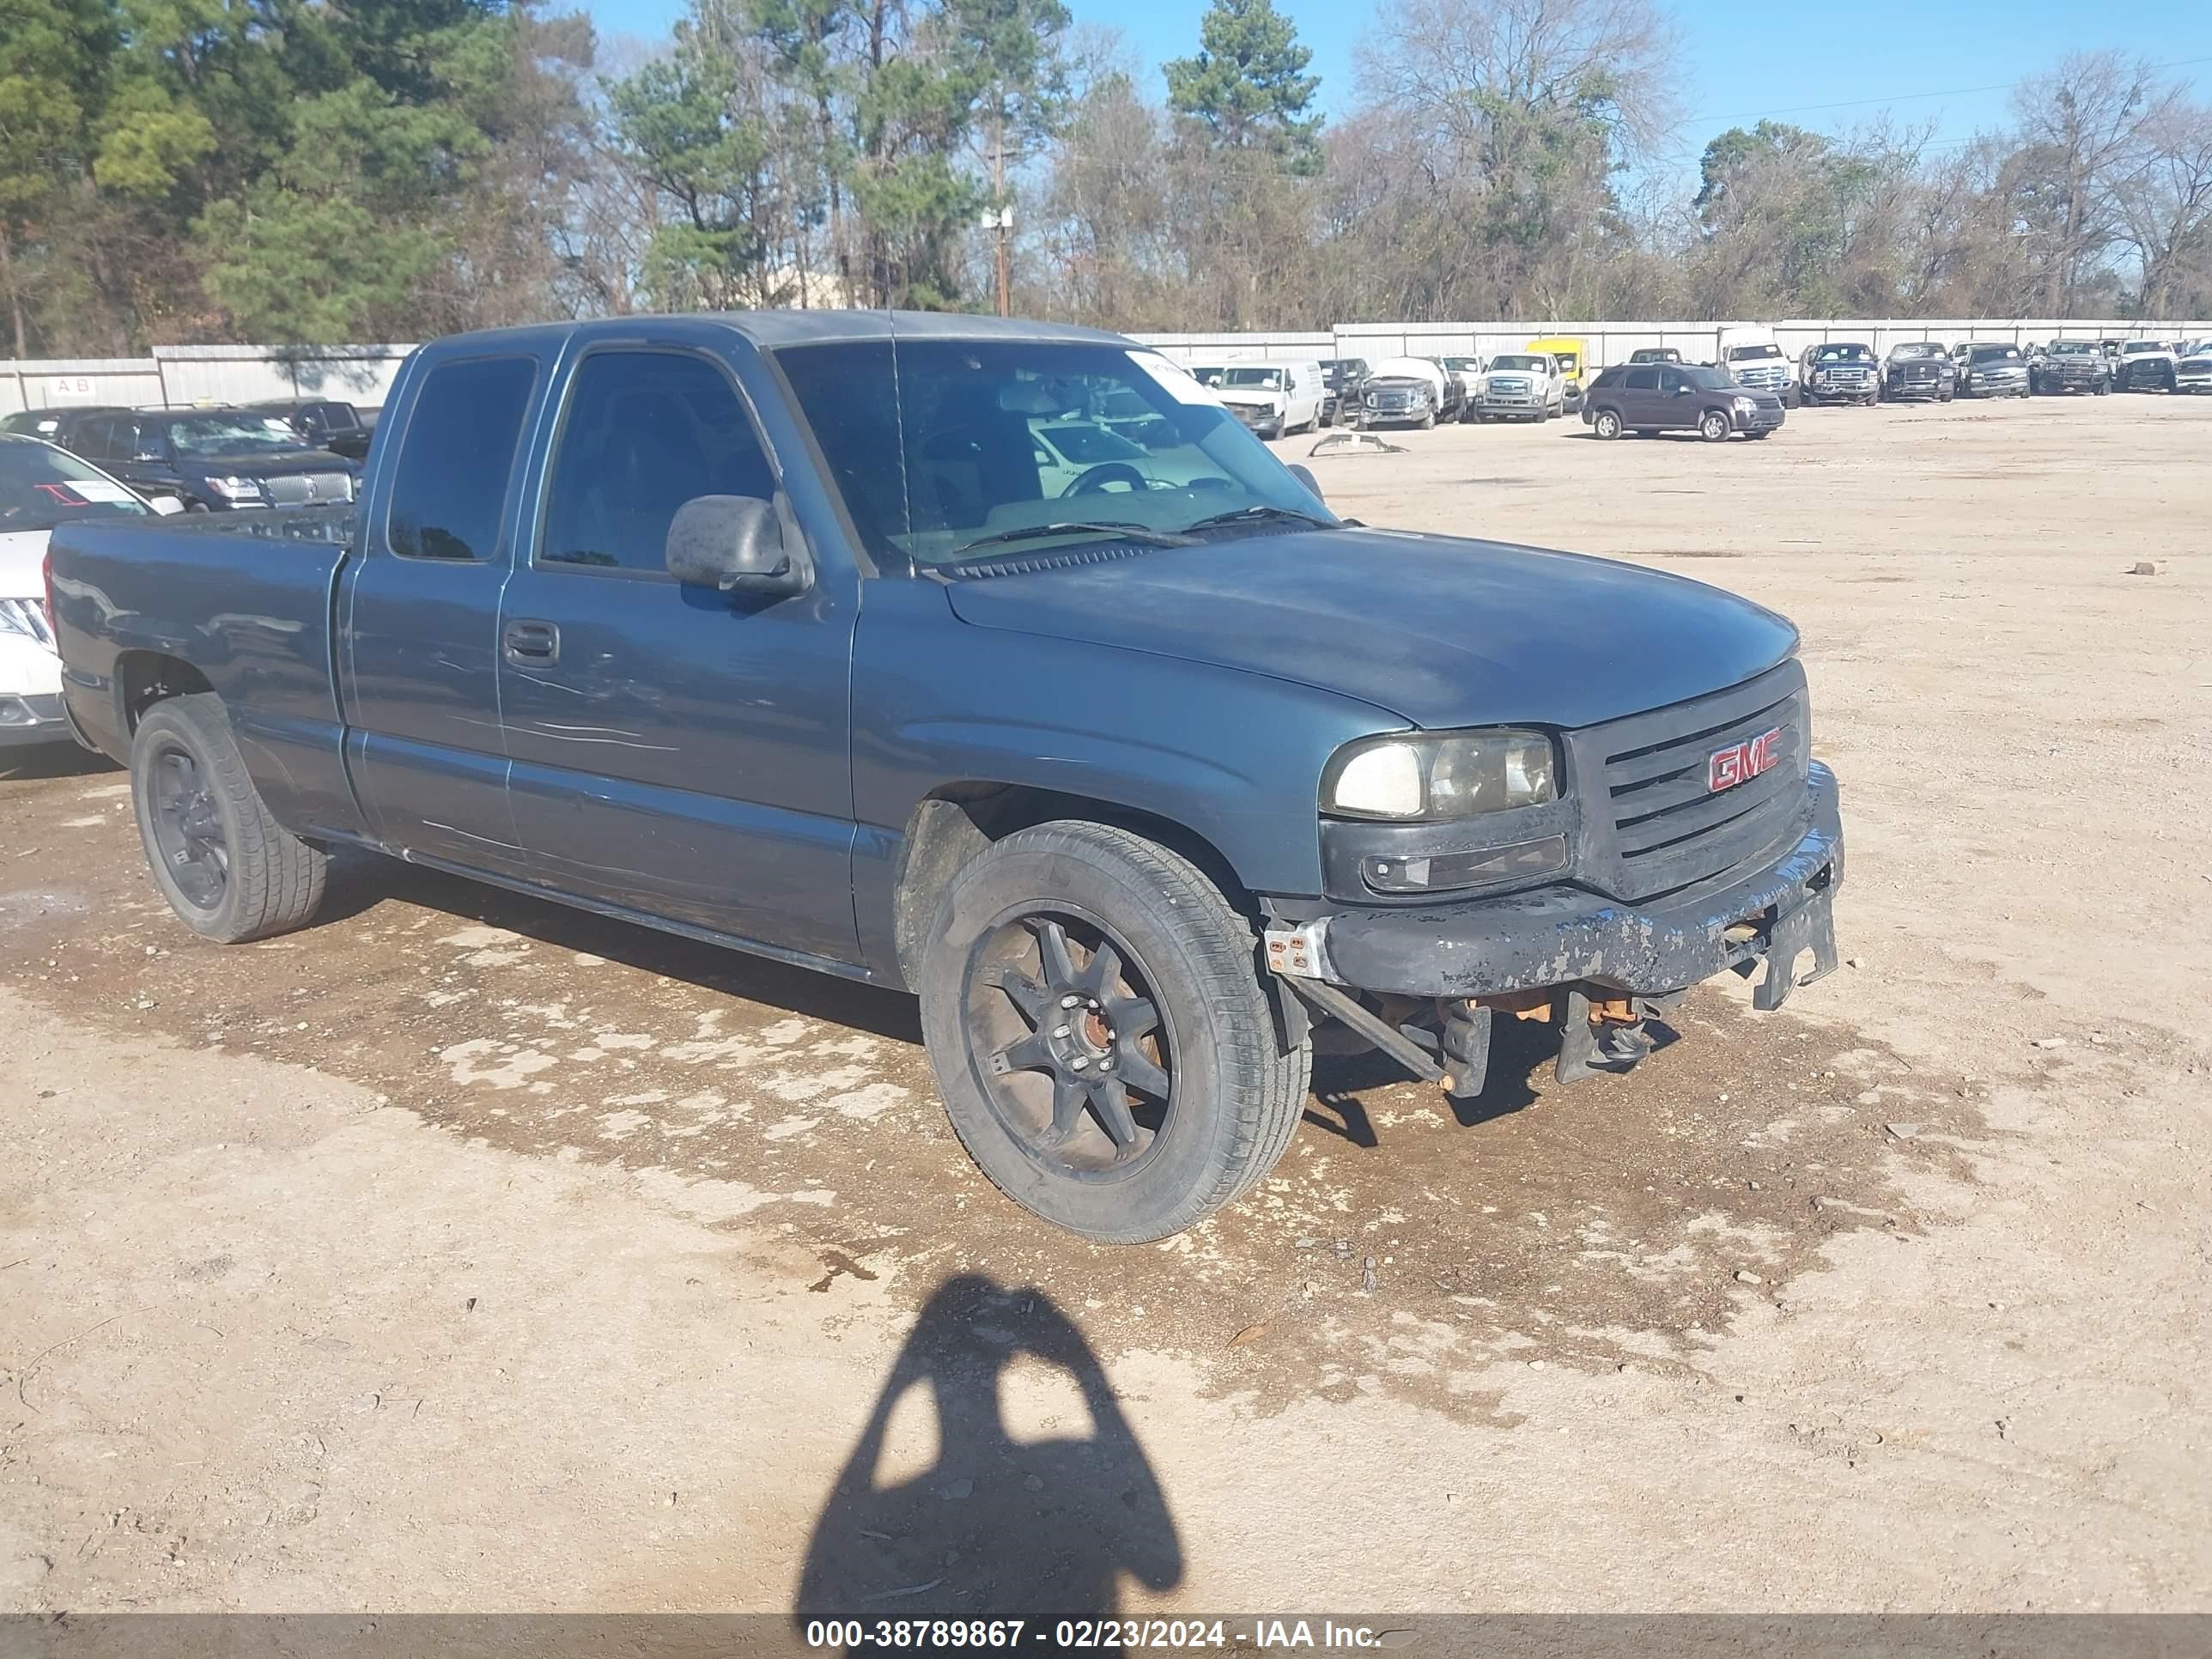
[(232, 488), (1745, 405), (1431, 775), (29, 618)]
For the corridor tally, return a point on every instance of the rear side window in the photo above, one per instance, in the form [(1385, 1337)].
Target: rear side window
[(645, 432), (449, 485), (1643, 379), (95, 437)]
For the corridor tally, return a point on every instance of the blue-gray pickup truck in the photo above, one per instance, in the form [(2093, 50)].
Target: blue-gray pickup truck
[(992, 661)]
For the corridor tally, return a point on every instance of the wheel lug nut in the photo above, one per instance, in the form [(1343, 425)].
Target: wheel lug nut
[(1107, 1063), (1078, 1064), (1071, 1002), (1059, 1030)]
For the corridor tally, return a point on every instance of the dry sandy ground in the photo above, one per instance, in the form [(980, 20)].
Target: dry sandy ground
[(464, 1252)]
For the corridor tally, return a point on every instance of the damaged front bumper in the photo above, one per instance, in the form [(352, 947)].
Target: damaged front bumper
[(1600, 968), (1562, 935)]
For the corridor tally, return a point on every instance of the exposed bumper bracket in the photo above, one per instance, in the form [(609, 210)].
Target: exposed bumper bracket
[(1377, 1030)]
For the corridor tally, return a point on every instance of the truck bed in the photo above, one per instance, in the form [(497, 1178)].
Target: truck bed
[(242, 601)]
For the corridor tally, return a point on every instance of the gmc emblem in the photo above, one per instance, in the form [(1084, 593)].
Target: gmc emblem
[(1742, 762)]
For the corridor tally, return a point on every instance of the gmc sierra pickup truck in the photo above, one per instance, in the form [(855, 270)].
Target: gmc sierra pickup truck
[(776, 630)]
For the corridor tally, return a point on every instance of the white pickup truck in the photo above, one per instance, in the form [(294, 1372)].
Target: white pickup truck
[(1753, 356), (2145, 364), (1521, 385), (1275, 397)]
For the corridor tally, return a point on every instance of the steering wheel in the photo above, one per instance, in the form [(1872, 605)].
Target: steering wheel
[(1093, 480)]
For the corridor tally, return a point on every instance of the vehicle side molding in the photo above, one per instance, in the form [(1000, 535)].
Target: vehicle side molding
[(734, 544)]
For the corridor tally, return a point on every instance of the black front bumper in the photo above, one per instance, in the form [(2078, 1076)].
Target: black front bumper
[(1565, 935)]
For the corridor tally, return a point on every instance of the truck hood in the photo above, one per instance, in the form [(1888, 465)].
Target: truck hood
[(22, 564), (1438, 630)]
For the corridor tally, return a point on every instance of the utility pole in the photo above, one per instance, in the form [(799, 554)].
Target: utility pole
[(1002, 218)]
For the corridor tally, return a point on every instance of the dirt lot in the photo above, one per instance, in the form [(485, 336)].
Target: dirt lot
[(467, 1253)]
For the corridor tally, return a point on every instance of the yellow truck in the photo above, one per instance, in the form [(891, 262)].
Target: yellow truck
[(1571, 354)]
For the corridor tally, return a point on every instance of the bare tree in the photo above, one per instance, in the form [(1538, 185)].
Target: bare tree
[(2166, 209), (2080, 128), (1521, 111)]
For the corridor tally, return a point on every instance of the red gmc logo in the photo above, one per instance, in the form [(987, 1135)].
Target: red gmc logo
[(1742, 762)]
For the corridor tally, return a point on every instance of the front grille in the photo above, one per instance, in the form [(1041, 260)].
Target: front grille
[(308, 489), (1765, 380), (1653, 825)]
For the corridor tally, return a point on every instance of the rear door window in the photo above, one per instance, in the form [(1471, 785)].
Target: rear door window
[(1643, 379), (449, 487)]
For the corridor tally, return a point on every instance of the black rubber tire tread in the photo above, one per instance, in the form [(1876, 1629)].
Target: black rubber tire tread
[(276, 879), (1269, 1089)]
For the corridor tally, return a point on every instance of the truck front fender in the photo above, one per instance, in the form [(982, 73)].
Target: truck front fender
[(1228, 760)]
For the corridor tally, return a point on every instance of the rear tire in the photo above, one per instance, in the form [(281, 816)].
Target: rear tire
[(1607, 423), (1209, 1097), (230, 870)]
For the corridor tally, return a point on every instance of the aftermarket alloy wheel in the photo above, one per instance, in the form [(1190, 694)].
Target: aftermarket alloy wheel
[(1713, 427), (230, 870), (1094, 1012), (1607, 423)]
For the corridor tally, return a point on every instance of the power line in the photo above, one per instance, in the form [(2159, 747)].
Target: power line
[(1904, 97)]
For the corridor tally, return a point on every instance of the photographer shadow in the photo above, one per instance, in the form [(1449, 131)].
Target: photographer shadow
[(995, 1527)]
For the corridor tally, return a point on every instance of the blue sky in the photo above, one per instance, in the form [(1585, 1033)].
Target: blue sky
[(1744, 57)]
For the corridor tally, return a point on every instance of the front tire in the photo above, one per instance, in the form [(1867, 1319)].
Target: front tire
[(230, 870), (1607, 423), (1094, 1012), (1713, 427)]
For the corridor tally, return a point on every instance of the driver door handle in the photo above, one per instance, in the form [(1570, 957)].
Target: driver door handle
[(530, 644)]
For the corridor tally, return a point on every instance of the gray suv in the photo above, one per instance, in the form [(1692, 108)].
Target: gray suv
[(1648, 398)]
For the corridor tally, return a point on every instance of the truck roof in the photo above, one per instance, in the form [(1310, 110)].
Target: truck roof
[(771, 329)]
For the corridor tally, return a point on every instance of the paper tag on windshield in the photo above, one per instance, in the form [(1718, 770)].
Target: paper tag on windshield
[(99, 489), (1174, 379)]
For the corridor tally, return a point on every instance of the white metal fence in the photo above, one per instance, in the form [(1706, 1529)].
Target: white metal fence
[(182, 375)]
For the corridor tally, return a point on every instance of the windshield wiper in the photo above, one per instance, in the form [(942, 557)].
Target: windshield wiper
[(1261, 513), (1121, 527)]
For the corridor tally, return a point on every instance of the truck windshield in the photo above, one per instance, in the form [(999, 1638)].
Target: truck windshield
[(1746, 353), (233, 434), (41, 487), (1913, 349), (936, 446), (1272, 378), (1525, 365), (2074, 349)]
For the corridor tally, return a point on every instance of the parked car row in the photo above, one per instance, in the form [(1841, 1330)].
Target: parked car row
[(1269, 394), (220, 457)]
